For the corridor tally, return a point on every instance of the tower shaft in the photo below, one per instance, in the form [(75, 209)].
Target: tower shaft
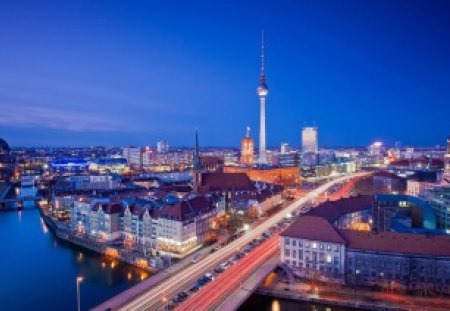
[(262, 92), (262, 130)]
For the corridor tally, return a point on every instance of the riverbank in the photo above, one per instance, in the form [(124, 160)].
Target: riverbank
[(350, 298), (62, 232)]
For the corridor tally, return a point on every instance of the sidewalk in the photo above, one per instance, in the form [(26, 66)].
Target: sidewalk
[(362, 298)]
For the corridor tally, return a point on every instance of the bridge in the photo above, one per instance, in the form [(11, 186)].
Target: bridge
[(8, 196), (213, 295)]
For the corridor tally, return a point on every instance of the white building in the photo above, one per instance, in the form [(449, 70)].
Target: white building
[(314, 250), (376, 149), (162, 146), (310, 140), (133, 156), (284, 148), (415, 187), (104, 221)]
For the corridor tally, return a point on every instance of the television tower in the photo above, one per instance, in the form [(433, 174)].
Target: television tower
[(262, 92)]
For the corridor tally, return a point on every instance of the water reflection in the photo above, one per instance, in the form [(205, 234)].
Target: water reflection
[(275, 305), (33, 254), (264, 303), (43, 226)]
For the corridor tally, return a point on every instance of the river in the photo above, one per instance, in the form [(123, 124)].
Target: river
[(38, 271)]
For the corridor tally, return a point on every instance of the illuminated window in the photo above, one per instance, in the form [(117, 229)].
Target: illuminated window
[(314, 245)]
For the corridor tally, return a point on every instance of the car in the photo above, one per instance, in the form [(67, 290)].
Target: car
[(180, 297), (196, 258), (218, 270), (194, 288), (240, 255), (247, 249), (209, 276)]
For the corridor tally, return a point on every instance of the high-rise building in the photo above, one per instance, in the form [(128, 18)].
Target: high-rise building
[(247, 147), (133, 156), (447, 162), (310, 140), (262, 92), (284, 148), (162, 146), (376, 149)]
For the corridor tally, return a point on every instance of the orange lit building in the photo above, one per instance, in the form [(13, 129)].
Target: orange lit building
[(247, 147), (279, 175)]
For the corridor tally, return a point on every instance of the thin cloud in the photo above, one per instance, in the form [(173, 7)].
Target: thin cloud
[(44, 117)]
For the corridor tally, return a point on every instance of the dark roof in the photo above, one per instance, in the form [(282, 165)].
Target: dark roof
[(210, 160), (108, 208), (187, 209), (425, 161), (227, 182), (332, 210), (4, 145), (313, 228), (176, 188), (425, 176), (386, 174), (111, 161), (392, 242)]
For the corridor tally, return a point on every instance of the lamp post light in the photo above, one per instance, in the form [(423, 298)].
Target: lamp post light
[(79, 280), (165, 300)]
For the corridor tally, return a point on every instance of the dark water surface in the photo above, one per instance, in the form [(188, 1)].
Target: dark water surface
[(264, 303), (38, 272)]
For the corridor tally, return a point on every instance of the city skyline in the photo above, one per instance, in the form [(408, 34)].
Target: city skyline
[(119, 74)]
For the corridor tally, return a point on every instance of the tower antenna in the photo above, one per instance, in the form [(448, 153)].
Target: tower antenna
[(262, 54)]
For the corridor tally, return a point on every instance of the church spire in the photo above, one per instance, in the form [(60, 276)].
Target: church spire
[(197, 165)]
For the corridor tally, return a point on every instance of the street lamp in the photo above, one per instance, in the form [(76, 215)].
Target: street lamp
[(79, 280)]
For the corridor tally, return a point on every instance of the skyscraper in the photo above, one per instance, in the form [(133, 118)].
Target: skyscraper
[(310, 140), (162, 146), (447, 162), (196, 165), (247, 147), (262, 92), (284, 148)]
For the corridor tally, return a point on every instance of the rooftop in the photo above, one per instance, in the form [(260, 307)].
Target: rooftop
[(332, 210), (313, 228), (391, 242)]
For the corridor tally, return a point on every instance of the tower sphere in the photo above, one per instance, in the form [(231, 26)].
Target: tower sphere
[(262, 90)]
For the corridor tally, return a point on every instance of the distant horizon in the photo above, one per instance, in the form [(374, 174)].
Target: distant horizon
[(270, 148)]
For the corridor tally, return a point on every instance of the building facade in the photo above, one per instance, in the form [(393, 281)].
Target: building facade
[(310, 140), (247, 150), (315, 247)]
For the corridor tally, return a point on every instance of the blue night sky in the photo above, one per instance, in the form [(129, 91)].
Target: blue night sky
[(126, 72)]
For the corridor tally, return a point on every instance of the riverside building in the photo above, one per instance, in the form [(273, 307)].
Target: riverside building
[(322, 246)]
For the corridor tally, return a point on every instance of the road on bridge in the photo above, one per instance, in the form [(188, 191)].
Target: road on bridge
[(156, 298)]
